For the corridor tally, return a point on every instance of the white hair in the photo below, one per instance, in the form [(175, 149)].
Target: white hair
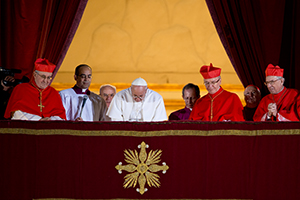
[(108, 85)]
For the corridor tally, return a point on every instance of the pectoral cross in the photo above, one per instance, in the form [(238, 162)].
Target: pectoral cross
[(41, 106), (41, 103), (212, 104)]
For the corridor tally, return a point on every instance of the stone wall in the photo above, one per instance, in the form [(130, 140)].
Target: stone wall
[(163, 41)]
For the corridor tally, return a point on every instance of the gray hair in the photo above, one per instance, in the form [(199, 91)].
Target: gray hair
[(108, 85)]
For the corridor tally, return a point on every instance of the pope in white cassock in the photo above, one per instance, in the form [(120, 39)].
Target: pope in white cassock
[(79, 102), (137, 103)]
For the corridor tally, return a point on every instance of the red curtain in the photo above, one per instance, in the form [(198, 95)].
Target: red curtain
[(21, 23), (34, 28), (256, 33)]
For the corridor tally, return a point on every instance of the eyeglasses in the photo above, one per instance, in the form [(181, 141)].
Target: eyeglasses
[(211, 83), (83, 76), (138, 97), (108, 95), (44, 77), (271, 82)]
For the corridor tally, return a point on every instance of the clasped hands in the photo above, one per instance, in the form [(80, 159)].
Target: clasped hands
[(272, 109)]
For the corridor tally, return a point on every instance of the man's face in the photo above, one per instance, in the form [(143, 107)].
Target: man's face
[(212, 85), (190, 97), (274, 84), (107, 94), (138, 92), (84, 77), (252, 96), (42, 79)]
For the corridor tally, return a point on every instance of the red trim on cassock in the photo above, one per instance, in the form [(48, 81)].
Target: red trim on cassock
[(286, 107), (226, 106)]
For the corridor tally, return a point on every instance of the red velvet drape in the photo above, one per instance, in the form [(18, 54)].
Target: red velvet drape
[(61, 21), (34, 28), (207, 160), (256, 33), (21, 23)]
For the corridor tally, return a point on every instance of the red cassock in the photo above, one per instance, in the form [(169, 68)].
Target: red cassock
[(288, 108), (221, 106), (25, 97)]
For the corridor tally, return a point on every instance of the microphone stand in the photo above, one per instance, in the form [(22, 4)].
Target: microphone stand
[(85, 97)]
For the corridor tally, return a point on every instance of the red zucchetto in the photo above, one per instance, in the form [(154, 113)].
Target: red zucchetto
[(253, 86), (210, 71), (274, 71), (43, 65)]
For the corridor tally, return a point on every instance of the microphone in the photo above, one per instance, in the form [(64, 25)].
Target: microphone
[(85, 97)]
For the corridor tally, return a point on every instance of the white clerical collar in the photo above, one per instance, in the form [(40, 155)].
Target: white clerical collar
[(280, 90)]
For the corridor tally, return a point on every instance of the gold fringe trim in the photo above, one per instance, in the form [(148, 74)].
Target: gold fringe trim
[(131, 199), (148, 133)]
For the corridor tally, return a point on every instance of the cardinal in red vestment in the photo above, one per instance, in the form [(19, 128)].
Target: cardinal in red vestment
[(36, 100), (282, 104), (218, 104)]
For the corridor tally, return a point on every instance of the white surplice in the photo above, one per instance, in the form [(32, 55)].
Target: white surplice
[(20, 115), (94, 108), (124, 108)]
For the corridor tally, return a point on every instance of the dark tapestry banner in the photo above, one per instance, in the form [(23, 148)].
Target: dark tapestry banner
[(165, 160)]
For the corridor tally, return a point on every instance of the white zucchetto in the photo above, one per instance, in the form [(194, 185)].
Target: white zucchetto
[(139, 82)]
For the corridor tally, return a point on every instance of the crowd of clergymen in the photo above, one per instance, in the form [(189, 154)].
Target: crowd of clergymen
[(37, 100)]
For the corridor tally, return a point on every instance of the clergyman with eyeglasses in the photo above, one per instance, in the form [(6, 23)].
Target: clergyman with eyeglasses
[(80, 103), (218, 104), (137, 103), (281, 103), (36, 100)]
